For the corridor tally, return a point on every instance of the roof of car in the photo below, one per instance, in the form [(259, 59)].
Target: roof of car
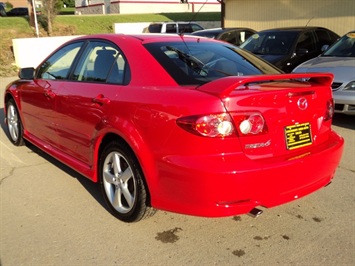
[(300, 28), (221, 30), (145, 37)]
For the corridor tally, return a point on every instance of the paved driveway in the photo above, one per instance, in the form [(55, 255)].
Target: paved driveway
[(51, 215)]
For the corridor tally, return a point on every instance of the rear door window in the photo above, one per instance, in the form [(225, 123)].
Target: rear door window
[(101, 62)]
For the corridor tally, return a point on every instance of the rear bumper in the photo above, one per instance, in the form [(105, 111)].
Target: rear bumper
[(226, 185)]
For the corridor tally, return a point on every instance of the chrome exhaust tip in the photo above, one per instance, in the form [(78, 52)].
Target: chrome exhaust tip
[(255, 212)]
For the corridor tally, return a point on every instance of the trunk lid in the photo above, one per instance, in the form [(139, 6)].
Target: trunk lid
[(295, 109)]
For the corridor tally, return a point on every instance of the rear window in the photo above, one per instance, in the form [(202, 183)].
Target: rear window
[(201, 62)]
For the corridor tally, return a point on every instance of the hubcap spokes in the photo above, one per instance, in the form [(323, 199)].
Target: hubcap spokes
[(119, 182), (12, 122)]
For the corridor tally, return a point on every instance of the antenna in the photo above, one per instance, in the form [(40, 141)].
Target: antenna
[(196, 13), (309, 21), (193, 17)]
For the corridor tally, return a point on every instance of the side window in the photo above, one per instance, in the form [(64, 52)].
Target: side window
[(101, 62), (195, 27), (230, 37), (244, 35), (306, 41), (171, 28), (58, 65), (324, 38)]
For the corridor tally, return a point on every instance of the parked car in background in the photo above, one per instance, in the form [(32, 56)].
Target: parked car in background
[(18, 12), (286, 48), (178, 123), (2, 11), (173, 27), (339, 59), (234, 36)]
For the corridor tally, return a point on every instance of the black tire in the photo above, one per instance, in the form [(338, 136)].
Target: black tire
[(14, 124), (122, 184)]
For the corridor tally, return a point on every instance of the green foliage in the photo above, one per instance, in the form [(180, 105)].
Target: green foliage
[(88, 24), (69, 3), (9, 5)]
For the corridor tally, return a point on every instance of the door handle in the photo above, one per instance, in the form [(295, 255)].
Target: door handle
[(100, 99), (49, 94)]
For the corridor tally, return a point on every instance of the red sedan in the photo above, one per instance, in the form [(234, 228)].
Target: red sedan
[(178, 123)]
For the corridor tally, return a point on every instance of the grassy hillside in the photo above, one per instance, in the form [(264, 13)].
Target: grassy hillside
[(18, 27)]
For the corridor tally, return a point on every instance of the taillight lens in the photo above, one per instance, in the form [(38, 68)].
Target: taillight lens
[(329, 110), (250, 123), (212, 125)]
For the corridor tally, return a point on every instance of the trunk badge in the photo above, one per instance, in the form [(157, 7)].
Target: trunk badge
[(302, 103)]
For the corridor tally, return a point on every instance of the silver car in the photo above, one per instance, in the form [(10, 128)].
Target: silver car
[(339, 59)]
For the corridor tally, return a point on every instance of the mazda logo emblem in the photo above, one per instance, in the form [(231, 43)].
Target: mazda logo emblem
[(302, 103)]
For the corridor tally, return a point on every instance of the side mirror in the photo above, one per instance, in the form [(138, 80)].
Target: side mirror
[(26, 73), (324, 47)]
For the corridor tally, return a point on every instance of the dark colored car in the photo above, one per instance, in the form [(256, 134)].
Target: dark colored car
[(286, 48), (18, 12), (234, 36)]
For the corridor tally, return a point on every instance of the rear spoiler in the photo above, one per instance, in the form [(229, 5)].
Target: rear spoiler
[(224, 86)]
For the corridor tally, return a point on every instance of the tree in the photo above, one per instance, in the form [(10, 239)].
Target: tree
[(49, 11)]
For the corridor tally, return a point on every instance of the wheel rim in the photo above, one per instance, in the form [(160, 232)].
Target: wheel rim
[(12, 122), (119, 182)]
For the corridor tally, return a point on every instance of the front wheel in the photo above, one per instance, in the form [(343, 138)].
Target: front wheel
[(14, 124), (122, 184)]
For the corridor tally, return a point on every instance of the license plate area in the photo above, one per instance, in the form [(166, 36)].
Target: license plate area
[(298, 136)]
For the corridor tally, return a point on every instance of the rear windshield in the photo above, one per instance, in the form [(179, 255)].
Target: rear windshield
[(199, 63)]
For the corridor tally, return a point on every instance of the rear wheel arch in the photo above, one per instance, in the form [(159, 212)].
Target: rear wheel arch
[(114, 184), (113, 137)]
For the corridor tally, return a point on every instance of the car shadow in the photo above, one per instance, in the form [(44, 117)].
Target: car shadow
[(345, 121), (92, 187)]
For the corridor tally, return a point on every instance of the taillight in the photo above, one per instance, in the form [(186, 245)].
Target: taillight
[(250, 123), (212, 125), (329, 112)]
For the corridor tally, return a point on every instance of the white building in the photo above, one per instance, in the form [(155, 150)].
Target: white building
[(145, 6)]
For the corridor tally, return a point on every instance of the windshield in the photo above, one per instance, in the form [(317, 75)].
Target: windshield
[(201, 62), (344, 47), (270, 43)]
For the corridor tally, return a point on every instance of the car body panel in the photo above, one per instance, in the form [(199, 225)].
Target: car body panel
[(221, 175)]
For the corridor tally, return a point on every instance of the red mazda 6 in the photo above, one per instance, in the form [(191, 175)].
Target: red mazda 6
[(177, 123)]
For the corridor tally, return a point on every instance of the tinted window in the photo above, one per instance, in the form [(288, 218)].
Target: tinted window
[(325, 37), (306, 41), (58, 65), (230, 37), (195, 27), (198, 63), (101, 62), (272, 43), (345, 47), (171, 28), (155, 28)]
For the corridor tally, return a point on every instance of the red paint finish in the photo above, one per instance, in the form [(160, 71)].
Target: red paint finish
[(185, 172)]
